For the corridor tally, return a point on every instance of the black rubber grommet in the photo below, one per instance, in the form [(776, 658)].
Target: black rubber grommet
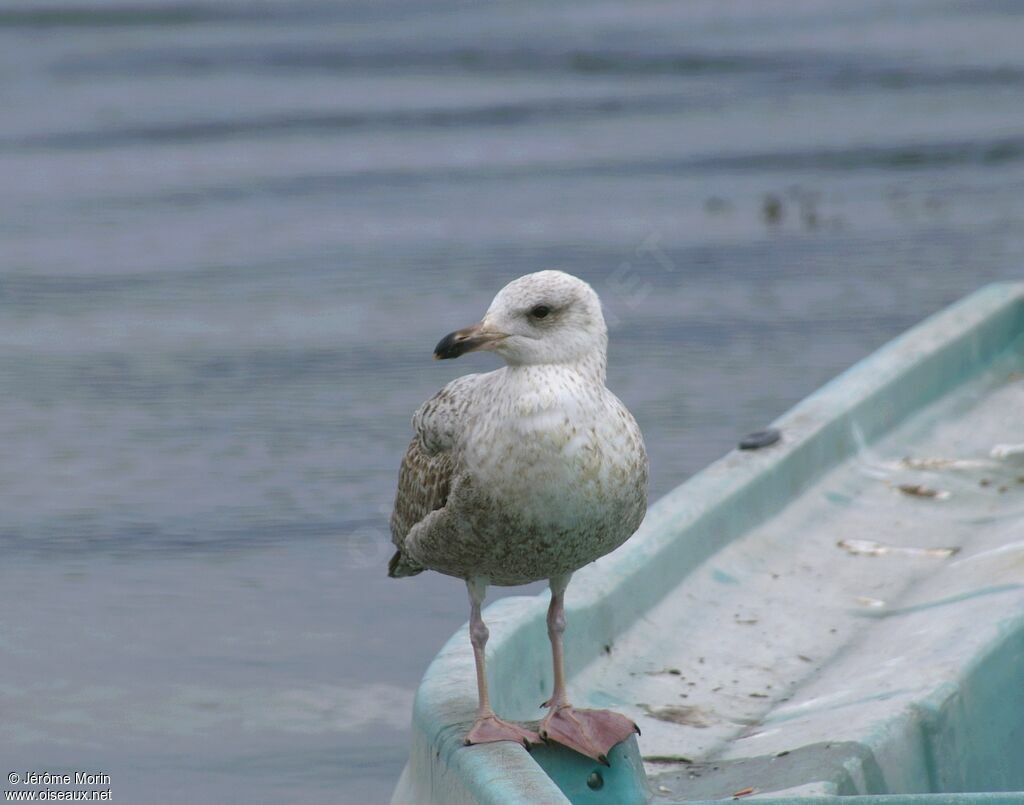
[(760, 438)]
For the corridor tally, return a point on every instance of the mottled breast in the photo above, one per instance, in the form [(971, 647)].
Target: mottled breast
[(555, 475)]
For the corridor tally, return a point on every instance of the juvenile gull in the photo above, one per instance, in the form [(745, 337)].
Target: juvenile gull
[(525, 473)]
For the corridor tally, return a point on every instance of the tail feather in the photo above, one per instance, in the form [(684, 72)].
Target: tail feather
[(401, 566)]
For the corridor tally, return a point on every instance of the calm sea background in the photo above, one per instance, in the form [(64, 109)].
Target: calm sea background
[(232, 232)]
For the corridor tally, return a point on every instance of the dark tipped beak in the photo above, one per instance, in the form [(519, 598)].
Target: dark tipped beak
[(466, 340)]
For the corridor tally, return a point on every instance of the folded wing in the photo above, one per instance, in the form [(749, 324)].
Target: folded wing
[(425, 477)]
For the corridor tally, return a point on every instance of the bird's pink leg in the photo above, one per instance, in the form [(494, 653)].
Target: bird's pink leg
[(590, 732), (488, 728)]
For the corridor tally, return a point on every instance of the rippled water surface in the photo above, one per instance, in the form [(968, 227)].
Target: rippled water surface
[(231, 233)]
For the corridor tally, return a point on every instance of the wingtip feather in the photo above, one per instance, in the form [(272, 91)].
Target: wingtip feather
[(399, 567)]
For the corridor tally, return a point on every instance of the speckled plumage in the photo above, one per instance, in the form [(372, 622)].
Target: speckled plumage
[(533, 470)]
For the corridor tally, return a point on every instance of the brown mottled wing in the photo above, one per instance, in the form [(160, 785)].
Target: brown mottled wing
[(423, 484), (425, 478)]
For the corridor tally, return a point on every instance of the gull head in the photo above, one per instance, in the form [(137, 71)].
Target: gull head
[(542, 318)]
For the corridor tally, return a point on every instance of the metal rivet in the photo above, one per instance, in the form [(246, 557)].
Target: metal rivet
[(595, 781)]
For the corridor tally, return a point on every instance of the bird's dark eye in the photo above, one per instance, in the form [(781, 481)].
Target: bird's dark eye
[(539, 311)]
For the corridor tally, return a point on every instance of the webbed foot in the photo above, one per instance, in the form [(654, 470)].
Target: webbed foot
[(590, 732), (488, 729)]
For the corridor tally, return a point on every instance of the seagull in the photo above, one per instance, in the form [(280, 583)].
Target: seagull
[(524, 474)]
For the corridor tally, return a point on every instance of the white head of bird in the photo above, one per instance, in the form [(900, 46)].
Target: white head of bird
[(548, 317)]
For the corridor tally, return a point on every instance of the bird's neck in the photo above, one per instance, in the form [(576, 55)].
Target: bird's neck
[(590, 368)]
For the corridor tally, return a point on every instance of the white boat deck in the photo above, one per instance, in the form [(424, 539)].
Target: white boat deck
[(858, 599)]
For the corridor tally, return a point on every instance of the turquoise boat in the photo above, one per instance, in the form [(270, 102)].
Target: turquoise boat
[(840, 612)]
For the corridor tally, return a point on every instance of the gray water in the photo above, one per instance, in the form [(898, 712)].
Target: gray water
[(232, 232)]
